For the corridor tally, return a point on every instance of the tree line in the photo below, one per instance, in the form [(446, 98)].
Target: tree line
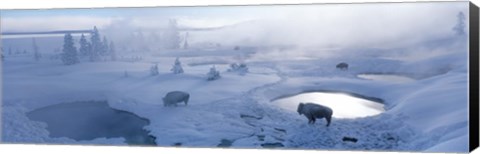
[(94, 50)]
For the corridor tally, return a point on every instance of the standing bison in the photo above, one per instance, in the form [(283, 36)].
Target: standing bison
[(312, 111), (174, 97), (342, 66)]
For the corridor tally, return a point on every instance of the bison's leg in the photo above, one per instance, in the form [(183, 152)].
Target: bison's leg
[(311, 119), (329, 118)]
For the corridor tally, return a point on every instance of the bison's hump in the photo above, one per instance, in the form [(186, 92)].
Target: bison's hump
[(311, 107)]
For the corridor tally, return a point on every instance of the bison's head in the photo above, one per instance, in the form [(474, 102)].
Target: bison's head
[(299, 108)]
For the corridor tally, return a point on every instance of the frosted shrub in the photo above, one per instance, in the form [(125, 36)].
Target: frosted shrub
[(154, 70), (213, 74), (241, 68), (177, 67)]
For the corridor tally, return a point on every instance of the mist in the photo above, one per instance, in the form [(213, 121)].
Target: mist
[(321, 27)]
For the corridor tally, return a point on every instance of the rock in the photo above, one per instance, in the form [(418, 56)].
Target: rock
[(349, 139), (272, 145)]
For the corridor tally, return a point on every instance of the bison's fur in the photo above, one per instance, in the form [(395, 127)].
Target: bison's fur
[(174, 97), (313, 111), (342, 66)]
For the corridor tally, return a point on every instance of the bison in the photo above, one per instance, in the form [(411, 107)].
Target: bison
[(174, 97), (312, 111), (342, 66)]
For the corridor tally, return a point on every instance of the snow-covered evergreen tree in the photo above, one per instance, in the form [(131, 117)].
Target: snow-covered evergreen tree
[(185, 43), (459, 28), (69, 54), (36, 53), (96, 45), (154, 70), (84, 46), (112, 52), (213, 74), (105, 49), (177, 67), (172, 38)]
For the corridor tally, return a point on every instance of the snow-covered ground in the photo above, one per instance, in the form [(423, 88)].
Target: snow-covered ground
[(427, 113)]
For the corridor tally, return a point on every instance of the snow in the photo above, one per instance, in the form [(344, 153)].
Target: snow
[(451, 145), (427, 113)]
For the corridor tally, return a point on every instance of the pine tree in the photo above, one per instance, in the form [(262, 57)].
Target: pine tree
[(36, 53), (69, 55), (112, 53), (105, 48), (172, 38), (177, 67), (459, 28), (84, 46), (96, 45), (185, 44)]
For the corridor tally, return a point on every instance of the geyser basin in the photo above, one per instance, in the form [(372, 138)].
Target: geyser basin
[(343, 105), (93, 119)]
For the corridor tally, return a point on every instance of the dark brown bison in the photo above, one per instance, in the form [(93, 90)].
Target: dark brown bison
[(174, 97), (342, 66), (313, 111)]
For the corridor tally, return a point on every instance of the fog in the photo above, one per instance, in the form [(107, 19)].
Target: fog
[(377, 25)]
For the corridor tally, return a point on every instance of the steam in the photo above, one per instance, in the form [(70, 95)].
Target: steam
[(374, 25)]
